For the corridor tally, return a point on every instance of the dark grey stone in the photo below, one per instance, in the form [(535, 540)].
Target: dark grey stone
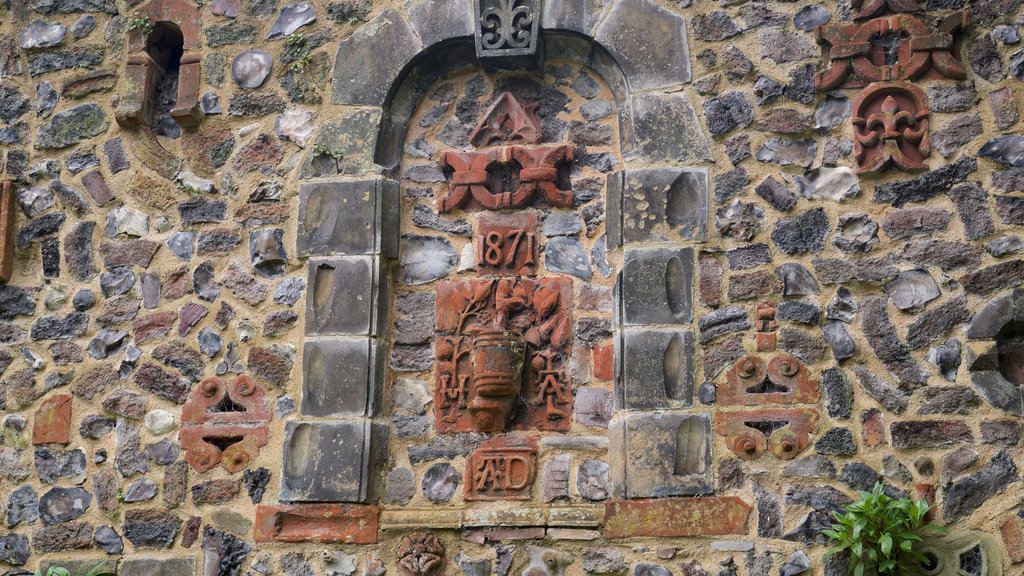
[(45, 226), (567, 256), (839, 340), (340, 377), (424, 217), (836, 442), (728, 112), (400, 486), (666, 454), (16, 301), (776, 194), (947, 358), (810, 467), (881, 335), (108, 539), (51, 464), (785, 152), (14, 549), (71, 126), (65, 59), (971, 201), (967, 495), (202, 211), (925, 186), (886, 394), (769, 512), (767, 90), (162, 453), (78, 252), (63, 504), (657, 369), (60, 327), (182, 244), (933, 323), (117, 281), (46, 99), (139, 491), (796, 280), (952, 98), (802, 234), (151, 528), (722, 321), (203, 282), (331, 461), (234, 32), (859, 476), (656, 286), (731, 183), (22, 506), (440, 482), (748, 256), (949, 400), (799, 311)]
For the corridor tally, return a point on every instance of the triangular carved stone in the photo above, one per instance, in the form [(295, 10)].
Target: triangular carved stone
[(508, 121)]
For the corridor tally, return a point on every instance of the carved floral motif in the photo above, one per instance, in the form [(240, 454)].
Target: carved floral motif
[(224, 423), (507, 27), (891, 48), (890, 127), (421, 555)]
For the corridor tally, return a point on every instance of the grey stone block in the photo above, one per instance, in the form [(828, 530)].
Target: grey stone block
[(656, 369), (658, 205), (155, 567), (341, 377), (573, 15), (660, 454), (346, 296), (439, 20), (649, 43), (350, 143), (353, 217), (656, 286), (332, 461), (369, 61), (668, 129)]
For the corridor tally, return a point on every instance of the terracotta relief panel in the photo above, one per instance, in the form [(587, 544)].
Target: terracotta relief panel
[(890, 127), (421, 555), (891, 48), (502, 469), (502, 348), (224, 423), (782, 389), (507, 244)]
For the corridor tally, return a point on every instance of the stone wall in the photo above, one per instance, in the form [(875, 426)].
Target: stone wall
[(651, 287)]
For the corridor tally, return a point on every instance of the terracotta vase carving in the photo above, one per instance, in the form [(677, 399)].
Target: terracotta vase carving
[(498, 357)]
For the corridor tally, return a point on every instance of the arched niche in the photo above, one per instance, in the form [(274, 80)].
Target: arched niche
[(350, 214), (163, 51)]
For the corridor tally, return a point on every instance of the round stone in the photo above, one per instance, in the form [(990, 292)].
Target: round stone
[(160, 422), (440, 482), (251, 68), (39, 34)]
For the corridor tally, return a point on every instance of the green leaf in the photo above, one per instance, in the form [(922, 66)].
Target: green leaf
[(859, 570), (886, 543)]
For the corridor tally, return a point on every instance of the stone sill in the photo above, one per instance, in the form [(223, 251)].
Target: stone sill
[(587, 516)]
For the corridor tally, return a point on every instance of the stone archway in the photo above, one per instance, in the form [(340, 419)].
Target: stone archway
[(349, 227)]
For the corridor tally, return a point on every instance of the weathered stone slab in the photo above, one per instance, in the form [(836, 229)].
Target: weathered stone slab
[(657, 369), (656, 287), (340, 377), (345, 296), (359, 217), (331, 461), (660, 454)]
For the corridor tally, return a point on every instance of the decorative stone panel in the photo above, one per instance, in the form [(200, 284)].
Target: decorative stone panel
[(507, 31), (502, 469), (660, 454), (890, 127), (657, 205)]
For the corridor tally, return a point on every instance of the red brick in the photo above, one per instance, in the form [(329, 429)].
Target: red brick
[(673, 517), (325, 523), (872, 428), (1013, 538), (52, 420), (710, 279), (604, 361)]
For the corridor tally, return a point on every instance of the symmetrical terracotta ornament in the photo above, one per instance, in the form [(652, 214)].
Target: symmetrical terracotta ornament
[(509, 176), (758, 381), (147, 62), (224, 423), (421, 555), (6, 230), (891, 48), (502, 348), (890, 127), (502, 469)]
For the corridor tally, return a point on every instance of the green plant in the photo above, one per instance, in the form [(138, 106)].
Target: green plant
[(880, 533), (296, 39), (58, 571), (324, 150), (190, 190), (301, 63), (143, 24)]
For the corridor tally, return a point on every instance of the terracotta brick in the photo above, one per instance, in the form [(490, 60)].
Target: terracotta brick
[(325, 523), (1013, 538), (7, 216), (872, 428), (709, 284), (604, 361), (52, 420), (673, 517)]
